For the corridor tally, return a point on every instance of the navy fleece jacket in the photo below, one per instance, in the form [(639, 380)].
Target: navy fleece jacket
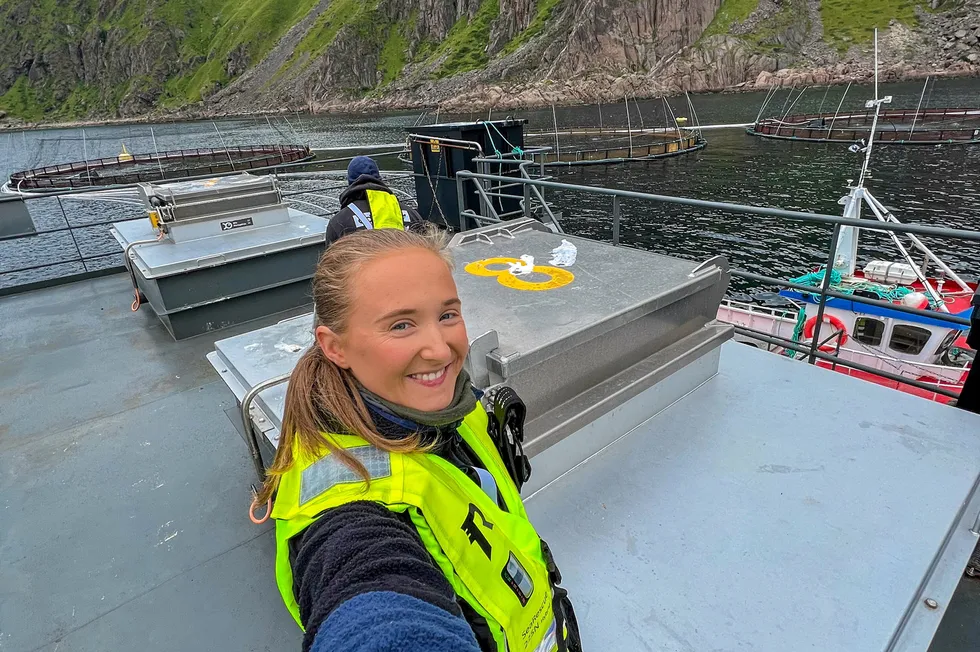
[(365, 582), (385, 621)]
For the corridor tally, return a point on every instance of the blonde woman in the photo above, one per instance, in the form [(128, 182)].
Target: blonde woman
[(399, 524)]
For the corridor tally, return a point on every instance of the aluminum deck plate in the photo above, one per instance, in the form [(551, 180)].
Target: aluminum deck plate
[(776, 507), (167, 259)]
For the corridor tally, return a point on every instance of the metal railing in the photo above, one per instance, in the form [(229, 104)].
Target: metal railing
[(821, 293), (89, 263)]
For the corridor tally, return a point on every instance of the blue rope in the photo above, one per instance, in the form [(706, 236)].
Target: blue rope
[(797, 332), (492, 144), (514, 149)]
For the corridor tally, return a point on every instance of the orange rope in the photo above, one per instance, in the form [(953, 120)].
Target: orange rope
[(136, 302), (251, 512)]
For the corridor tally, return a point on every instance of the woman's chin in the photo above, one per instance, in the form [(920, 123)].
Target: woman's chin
[(430, 399)]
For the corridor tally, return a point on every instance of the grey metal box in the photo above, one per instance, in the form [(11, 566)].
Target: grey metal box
[(628, 319)]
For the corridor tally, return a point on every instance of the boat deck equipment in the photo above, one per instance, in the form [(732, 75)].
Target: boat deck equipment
[(219, 252)]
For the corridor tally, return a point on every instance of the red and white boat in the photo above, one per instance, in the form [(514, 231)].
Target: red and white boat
[(915, 346)]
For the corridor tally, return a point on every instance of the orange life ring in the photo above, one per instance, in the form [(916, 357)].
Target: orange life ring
[(838, 325)]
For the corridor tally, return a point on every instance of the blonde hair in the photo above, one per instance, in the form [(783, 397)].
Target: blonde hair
[(321, 396)]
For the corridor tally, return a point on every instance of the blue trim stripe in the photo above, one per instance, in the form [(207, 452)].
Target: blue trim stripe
[(879, 311)]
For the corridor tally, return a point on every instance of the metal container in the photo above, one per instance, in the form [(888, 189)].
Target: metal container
[(250, 257), (447, 148), (606, 328)]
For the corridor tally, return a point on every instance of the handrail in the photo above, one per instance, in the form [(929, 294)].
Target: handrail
[(973, 236), (251, 440), (823, 291), (91, 193), (795, 346)]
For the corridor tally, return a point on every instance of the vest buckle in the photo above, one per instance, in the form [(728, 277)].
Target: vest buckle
[(506, 412)]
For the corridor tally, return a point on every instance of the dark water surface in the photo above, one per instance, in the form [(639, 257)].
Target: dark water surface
[(925, 185)]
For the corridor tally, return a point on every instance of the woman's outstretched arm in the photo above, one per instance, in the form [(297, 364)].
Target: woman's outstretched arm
[(384, 621), (362, 576)]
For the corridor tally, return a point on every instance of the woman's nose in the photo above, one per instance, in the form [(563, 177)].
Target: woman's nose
[(435, 347)]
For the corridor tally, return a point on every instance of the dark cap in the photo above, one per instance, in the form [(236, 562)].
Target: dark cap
[(361, 165)]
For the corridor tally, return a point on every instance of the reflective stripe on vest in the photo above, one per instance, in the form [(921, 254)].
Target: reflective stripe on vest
[(491, 557), (385, 212)]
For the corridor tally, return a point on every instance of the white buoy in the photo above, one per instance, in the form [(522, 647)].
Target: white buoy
[(916, 300)]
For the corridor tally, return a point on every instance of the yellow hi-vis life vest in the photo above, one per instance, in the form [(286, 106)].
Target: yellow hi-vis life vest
[(385, 212), (492, 558)]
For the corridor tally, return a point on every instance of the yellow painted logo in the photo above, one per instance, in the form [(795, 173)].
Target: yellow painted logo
[(434, 145), (556, 276)]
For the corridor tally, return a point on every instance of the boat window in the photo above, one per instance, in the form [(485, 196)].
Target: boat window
[(947, 342), (909, 339), (869, 331)]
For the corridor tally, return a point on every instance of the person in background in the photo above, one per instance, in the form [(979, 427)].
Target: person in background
[(970, 394), (367, 203), (969, 399), (399, 520)]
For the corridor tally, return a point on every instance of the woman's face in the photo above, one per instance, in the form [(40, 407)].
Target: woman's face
[(406, 340)]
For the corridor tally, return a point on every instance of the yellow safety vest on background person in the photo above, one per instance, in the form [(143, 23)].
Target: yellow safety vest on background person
[(493, 558), (385, 212)]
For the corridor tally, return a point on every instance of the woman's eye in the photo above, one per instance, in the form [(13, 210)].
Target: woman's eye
[(452, 314), (401, 326)]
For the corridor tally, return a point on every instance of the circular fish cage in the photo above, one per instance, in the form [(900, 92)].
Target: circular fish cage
[(165, 166), (895, 127), (597, 145)]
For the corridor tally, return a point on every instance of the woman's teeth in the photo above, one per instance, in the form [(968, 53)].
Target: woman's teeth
[(436, 375)]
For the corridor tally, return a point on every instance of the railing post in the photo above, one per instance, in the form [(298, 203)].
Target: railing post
[(616, 214), (824, 286), (481, 186), (527, 200), (460, 200), (71, 232)]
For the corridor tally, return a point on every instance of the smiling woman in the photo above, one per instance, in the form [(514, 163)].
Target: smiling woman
[(399, 524)]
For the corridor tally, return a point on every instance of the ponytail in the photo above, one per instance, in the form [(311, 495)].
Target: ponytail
[(322, 398)]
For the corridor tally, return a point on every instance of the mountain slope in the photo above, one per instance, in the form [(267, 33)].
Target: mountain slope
[(69, 59)]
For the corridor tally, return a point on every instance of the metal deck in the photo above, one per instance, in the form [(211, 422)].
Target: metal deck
[(123, 491)]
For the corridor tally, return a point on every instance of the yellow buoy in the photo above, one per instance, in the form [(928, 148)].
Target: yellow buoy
[(124, 155), (681, 120)]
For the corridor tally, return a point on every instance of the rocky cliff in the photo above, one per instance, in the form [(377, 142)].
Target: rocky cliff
[(70, 59)]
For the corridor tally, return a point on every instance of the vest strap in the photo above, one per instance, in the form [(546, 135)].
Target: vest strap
[(362, 220)]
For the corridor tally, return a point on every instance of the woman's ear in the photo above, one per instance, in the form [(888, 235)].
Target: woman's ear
[(332, 346)]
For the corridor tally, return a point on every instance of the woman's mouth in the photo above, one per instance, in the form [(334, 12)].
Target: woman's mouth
[(432, 378)]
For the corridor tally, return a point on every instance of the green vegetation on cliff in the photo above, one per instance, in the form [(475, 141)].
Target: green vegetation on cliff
[(542, 15), (847, 23), (729, 13), (174, 50), (67, 59), (465, 47)]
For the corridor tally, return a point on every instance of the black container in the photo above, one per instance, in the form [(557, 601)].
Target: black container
[(15, 219), (435, 163)]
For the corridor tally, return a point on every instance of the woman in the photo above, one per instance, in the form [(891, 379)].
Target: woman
[(398, 525)]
